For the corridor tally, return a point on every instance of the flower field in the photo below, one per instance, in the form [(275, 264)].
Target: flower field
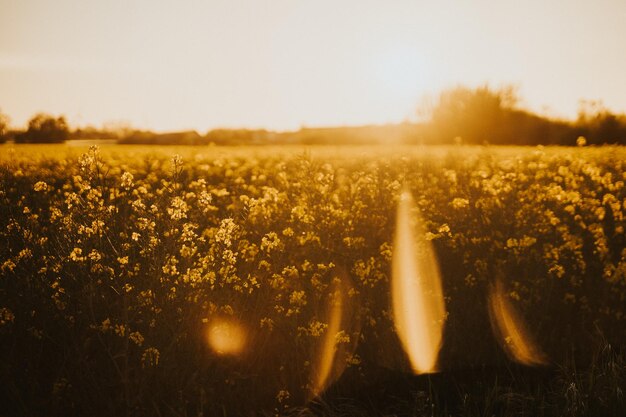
[(216, 281)]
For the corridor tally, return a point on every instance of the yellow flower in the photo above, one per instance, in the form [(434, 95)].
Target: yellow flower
[(150, 357), (283, 395), (75, 255), (136, 338), (120, 329), (40, 186), (106, 325), (460, 203), (6, 316), (127, 180)]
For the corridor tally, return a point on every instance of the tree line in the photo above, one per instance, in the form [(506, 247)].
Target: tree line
[(481, 115), (485, 115), (42, 128)]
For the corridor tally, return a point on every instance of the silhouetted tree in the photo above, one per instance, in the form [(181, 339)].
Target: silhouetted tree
[(477, 115), (485, 115), (599, 125), (43, 128)]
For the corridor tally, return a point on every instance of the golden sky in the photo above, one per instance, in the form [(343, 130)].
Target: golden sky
[(282, 64)]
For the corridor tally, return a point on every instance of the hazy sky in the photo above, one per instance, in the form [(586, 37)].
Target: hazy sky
[(178, 64)]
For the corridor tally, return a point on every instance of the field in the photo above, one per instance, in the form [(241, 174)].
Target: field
[(202, 281)]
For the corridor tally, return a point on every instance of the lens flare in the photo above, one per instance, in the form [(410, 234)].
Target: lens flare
[(417, 297), (336, 345), (226, 337), (328, 351), (511, 330)]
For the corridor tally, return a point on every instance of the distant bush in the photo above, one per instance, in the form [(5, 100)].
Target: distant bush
[(487, 115), (143, 137), (4, 127), (240, 137), (43, 128), (599, 125)]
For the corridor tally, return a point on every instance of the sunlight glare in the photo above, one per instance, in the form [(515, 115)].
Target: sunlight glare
[(226, 337), (417, 297), (511, 330), (329, 364)]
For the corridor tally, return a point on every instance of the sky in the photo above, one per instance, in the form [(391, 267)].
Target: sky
[(284, 64)]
